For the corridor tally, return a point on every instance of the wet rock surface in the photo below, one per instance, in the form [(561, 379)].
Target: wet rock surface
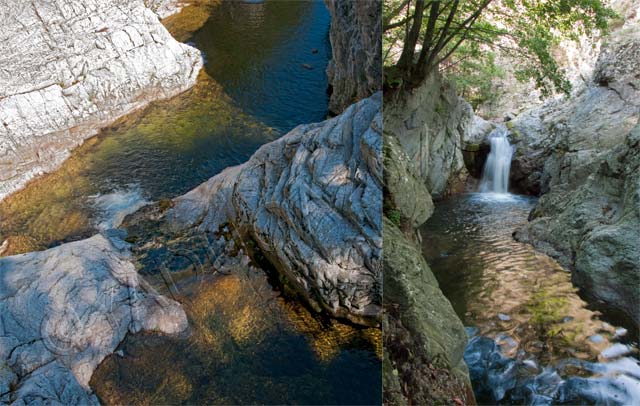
[(499, 379), (355, 72), (309, 202), (63, 310), (70, 68)]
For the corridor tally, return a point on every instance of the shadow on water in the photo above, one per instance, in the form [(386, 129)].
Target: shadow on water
[(270, 58)]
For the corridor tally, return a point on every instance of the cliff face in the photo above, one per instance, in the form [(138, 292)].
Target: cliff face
[(424, 339), (355, 72), (71, 67), (583, 155), (310, 202), (431, 124), (63, 311)]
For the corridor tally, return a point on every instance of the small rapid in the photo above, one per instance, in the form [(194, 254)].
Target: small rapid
[(495, 175)]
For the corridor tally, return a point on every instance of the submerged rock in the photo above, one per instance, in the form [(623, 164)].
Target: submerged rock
[(311, 203), (498, 379), (71, 67), (355, 71), (63, 310)]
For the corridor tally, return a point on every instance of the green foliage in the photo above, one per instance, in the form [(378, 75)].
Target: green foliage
[(450, 32), (473, 72)]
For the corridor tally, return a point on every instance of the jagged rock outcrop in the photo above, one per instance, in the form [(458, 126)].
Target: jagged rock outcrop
[(424, 338), (63, 310), (310, 202), (583, 154), (70, 67), (355, 71), (431, 123)]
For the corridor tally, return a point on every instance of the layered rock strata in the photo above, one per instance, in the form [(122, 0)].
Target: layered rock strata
[(310, 202), (63, 310), (70, 67)]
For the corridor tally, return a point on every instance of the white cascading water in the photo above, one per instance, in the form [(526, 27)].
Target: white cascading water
[(495, 175)]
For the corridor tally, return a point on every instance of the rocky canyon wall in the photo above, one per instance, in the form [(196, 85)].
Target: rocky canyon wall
[(424, 339), (583, 156), (431, 123), (425, 131), (355, 72), (70, 67)]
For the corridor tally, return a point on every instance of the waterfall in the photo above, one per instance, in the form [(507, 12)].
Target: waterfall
[(495, 175)]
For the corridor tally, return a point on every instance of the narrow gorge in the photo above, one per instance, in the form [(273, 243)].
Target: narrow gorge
[(512, 240)]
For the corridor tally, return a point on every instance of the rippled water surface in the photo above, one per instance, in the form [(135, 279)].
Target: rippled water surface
[(518, 297), (264, 74)]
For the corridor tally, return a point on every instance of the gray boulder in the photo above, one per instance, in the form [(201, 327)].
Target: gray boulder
[(63, 310), (70, 67), (431, 124)]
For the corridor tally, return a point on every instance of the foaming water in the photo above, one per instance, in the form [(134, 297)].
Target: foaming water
[(114, 207), (533, 339), (495, 176)]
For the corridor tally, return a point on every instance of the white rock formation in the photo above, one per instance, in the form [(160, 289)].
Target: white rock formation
[(70, 67), (63, 310)]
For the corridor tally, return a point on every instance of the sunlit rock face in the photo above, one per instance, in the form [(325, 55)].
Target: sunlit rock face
[(64, 310), (71, 67), (311, 202), (355, 72), (583, 155), (432, 123)]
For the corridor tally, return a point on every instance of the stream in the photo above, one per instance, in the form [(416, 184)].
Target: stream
[(533, 339), (264, 74)]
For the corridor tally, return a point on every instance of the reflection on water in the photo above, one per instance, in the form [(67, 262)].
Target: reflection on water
[(248, 345), (507, 291), (270, 57)]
